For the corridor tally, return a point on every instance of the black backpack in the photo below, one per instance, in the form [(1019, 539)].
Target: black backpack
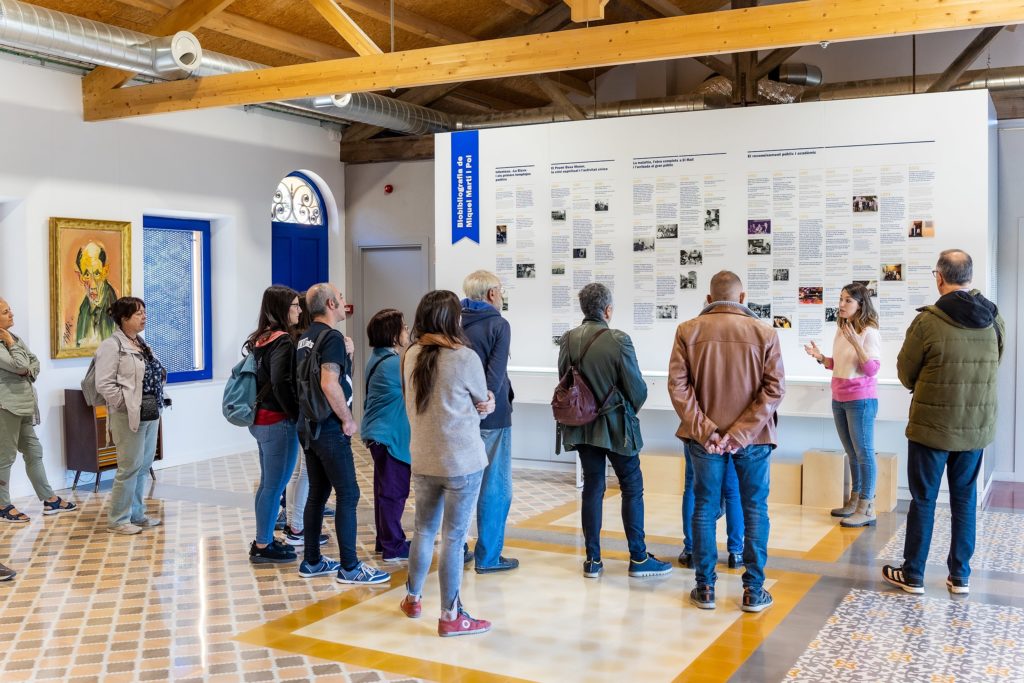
[(314, 407)]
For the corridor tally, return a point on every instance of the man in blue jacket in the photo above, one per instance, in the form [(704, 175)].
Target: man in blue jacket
[(491, 336)]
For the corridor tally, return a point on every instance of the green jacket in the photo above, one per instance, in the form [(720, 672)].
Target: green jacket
[(18, 371), (949, 360), (611, 369)]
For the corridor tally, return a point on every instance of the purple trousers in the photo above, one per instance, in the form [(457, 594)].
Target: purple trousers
[(390, 491)]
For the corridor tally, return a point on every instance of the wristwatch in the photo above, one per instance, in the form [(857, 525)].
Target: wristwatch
[(821, 360)]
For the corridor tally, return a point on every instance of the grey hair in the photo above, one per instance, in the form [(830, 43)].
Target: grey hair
[(317, 297), (594, 298), (478, 283), (955, 266)]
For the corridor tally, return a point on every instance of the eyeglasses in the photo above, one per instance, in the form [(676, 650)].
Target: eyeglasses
[(934, 273), (296, 305)]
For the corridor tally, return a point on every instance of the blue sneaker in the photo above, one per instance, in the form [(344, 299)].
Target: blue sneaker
[(651, 566), (322, 568), (592, 568), (329, 512), (756, 600), (363, 574)]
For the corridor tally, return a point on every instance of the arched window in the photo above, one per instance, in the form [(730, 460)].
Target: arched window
[(299, 233)]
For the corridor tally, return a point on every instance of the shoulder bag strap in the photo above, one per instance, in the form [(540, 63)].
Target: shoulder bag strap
[(588, 345), (372, 370)]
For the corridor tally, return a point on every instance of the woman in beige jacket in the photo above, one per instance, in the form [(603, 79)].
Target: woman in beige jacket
[(131, 380)]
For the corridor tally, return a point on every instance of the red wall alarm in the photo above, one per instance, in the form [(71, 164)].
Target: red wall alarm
[(388, 189)]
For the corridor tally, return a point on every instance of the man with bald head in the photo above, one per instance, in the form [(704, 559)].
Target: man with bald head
[(726, 381), (94, 324)]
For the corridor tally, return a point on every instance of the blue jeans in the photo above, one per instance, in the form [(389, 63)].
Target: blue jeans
[(924, 472), (631, 486), (135, 453), (730, 506), (855, 422), (329, 464), (279, 449), (495, 497), (752, 473), (456, 498)]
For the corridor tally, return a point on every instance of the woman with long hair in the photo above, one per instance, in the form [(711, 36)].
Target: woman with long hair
[(446, 396), (131, 380), (385, 430), (854, 364), (277, 410)]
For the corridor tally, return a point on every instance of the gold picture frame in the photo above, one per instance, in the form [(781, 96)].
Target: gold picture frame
[(90, 267)]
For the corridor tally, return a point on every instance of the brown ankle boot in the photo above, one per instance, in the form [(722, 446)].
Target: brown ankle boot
[(864, 516), (849, 508)]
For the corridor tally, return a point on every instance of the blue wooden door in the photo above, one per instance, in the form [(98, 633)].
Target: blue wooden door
[(298, 255), (299, 233)]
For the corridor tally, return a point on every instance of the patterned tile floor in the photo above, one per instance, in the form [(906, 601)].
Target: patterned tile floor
[(998, 548), (181, 601)]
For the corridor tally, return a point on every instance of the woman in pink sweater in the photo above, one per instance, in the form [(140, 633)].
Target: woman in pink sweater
[(854, 365)]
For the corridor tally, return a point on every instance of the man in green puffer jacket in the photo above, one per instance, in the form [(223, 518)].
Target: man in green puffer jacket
[(949, 361)]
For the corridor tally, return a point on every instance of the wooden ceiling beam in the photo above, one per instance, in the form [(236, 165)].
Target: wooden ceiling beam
[(244, 28), (531, 7), (188, 16), (586, 10), (407, 20), (772, 60), (758, 28), (346, 27), (388, 149), (559, 98)]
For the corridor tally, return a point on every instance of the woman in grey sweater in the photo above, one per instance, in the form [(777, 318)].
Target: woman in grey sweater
[(446, 396), (19, 413)]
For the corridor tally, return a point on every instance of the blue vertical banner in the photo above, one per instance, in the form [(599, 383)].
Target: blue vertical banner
[(465, 163)]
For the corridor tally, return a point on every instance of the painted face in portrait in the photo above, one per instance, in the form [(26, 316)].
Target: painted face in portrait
[(92, 270)]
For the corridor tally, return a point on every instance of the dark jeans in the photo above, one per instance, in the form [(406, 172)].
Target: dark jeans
[(329, 464), (631, 484), (390, 491), (730, 507), (924, 471), (708, 472)]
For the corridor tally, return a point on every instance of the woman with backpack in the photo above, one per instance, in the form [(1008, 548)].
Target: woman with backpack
[(446, 396), (385, 431), (131, 379), (276, 414)]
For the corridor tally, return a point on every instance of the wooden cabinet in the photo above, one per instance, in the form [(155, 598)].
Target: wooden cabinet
[(86, 443)]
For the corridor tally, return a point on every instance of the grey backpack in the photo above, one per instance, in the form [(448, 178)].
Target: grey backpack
[(92, 396)]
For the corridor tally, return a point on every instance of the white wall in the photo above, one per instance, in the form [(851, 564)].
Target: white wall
[(223, 165)]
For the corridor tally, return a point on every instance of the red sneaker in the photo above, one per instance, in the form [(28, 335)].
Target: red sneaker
[(412, 609), (462, 625)]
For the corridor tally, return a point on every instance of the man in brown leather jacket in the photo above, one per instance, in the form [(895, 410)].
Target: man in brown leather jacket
[(726, 381)]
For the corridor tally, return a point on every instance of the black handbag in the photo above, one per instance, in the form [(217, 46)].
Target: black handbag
[(150, 409)]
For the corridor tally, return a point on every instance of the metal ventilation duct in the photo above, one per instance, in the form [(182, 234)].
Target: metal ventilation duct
[(69, 37), (387, 112), (1005, 78), (525, 117), (43, 30), (768, 92)]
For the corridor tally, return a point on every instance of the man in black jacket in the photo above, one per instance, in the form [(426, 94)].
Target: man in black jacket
[(491, 336)]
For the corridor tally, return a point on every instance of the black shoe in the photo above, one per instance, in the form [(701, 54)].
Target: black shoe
[(703, 597), (735, 560), (686, 560), (896, 577), (467, 554), (275, 553), (504, 564)]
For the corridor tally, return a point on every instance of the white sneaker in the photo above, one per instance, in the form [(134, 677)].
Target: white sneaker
[(146, 522), (127, 529)]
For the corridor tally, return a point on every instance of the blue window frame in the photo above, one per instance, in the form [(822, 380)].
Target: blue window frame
[(179, 320)]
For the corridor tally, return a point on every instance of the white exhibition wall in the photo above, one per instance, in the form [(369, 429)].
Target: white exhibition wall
[(399, 217), (220, 165)]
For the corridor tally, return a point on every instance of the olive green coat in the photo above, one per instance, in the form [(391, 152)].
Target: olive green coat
[(19, 368), (611, 369), (951, 370)]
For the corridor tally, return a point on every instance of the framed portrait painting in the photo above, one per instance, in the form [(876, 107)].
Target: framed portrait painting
[(90, 267)]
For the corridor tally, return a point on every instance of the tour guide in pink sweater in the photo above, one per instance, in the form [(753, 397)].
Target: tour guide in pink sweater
[(854, 365)]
